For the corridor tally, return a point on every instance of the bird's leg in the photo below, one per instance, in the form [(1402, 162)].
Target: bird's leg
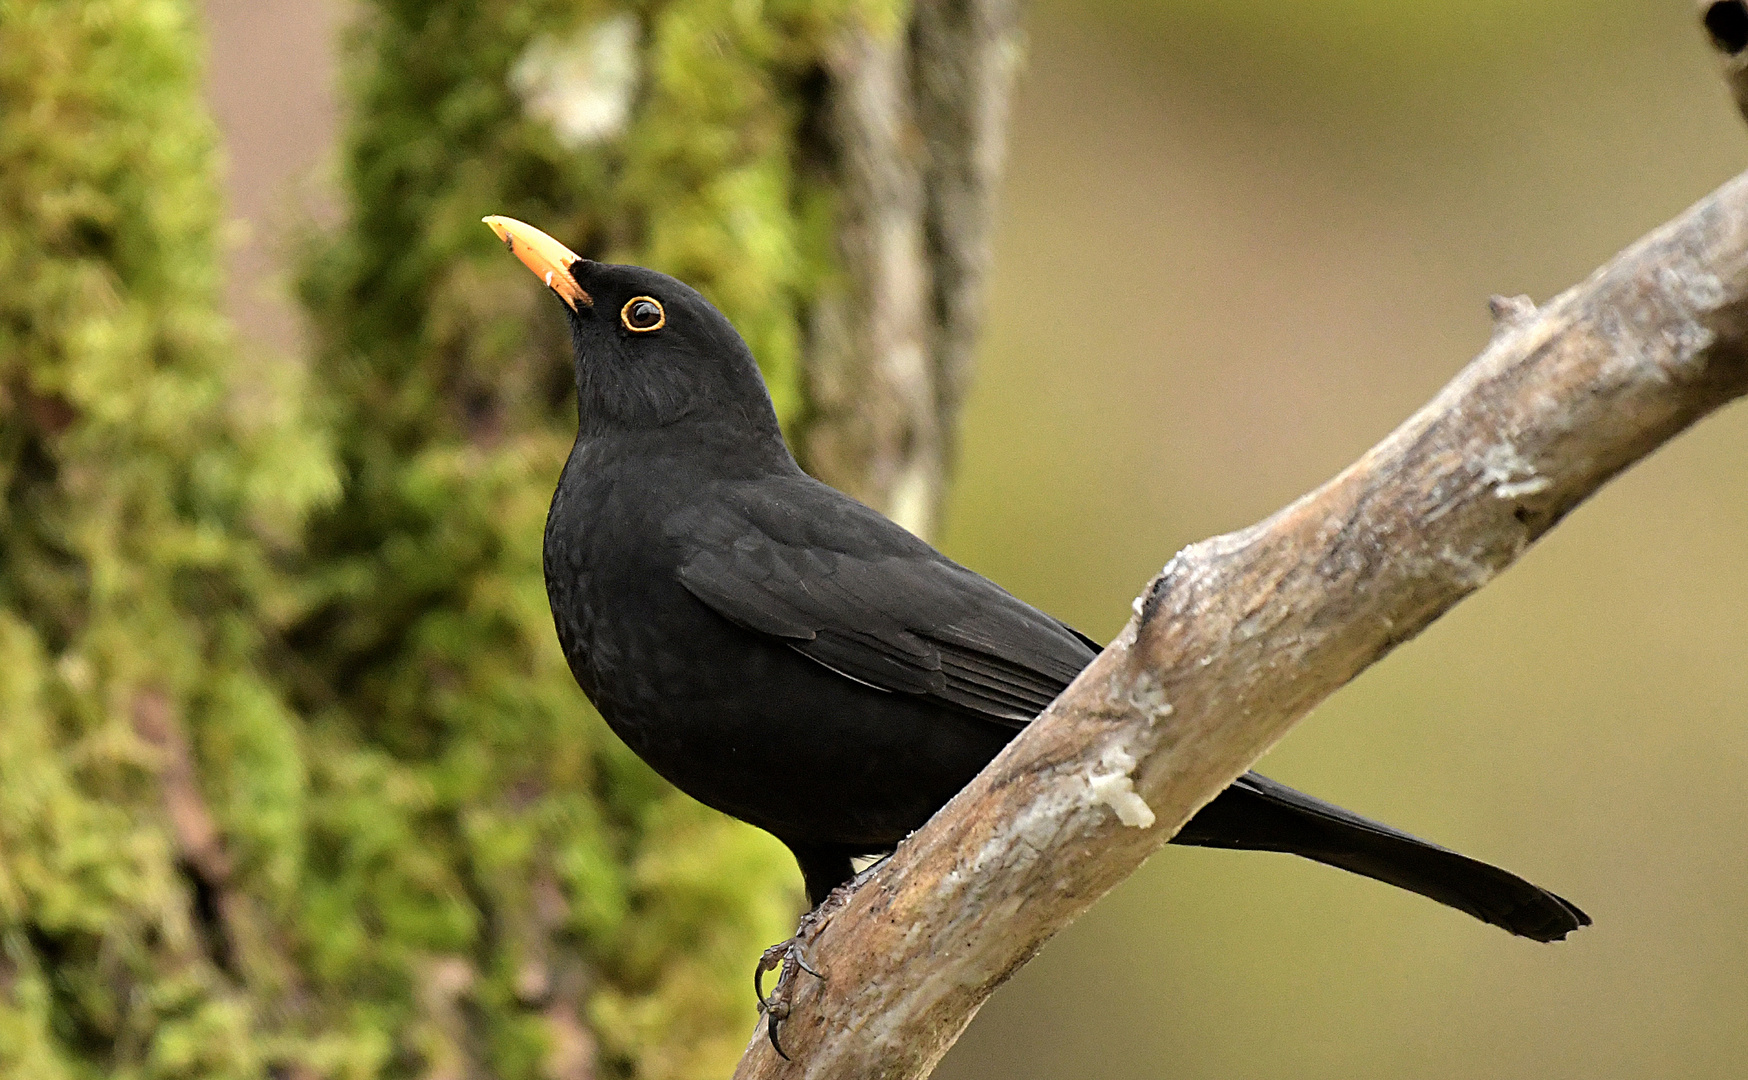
[(788, 957), (780, 958)]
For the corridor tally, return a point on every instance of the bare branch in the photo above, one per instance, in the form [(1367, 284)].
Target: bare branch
[(1240, 636)]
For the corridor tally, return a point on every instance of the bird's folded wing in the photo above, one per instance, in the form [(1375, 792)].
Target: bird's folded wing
[(854, 592)]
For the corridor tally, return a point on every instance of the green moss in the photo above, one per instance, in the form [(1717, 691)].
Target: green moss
[(144, 471), (327, 589), (429, 653)]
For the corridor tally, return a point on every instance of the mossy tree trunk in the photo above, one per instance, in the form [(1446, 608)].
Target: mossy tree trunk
[(154, 796), (293, 779)]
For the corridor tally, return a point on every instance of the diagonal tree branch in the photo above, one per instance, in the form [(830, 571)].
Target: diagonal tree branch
[(1241, 635)]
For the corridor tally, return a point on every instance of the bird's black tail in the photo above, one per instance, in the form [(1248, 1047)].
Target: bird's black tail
[(1257, 814)]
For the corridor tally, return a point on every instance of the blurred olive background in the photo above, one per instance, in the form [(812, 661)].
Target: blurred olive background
[(1238, 244)]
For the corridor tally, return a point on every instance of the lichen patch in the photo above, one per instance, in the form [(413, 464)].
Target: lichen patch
[(1112, 784)]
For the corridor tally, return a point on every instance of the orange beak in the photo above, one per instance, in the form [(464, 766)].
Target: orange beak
[(550, 260)]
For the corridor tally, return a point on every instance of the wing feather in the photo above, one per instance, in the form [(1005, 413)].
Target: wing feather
[(873, 603)]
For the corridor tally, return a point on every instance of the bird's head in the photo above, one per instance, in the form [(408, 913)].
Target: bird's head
[(650, 351)]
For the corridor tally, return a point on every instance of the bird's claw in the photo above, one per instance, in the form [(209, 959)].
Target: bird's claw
[(801, 962), (771, 1021), (788, 957), (770, 960), (777, 958), (785, 958)]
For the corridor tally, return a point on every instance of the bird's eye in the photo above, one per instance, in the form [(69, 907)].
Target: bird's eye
[(643, 314)]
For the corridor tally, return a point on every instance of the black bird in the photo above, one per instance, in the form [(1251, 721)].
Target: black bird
[(787, 655)]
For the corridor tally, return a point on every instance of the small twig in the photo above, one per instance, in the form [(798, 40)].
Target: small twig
[(445, 1039), (239, 940), (1240, 636), (199, 842)]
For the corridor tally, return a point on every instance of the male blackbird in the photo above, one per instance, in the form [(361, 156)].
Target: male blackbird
[(787, 655)]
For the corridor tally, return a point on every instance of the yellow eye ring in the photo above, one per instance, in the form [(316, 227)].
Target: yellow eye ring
[(641, 314)]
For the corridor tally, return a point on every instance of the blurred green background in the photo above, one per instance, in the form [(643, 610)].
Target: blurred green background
[(1238, 243)]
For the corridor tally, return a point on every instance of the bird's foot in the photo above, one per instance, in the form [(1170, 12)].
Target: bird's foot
[(785, 958), (788, 957)]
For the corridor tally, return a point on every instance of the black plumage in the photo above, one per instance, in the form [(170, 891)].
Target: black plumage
[(789, 656)]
